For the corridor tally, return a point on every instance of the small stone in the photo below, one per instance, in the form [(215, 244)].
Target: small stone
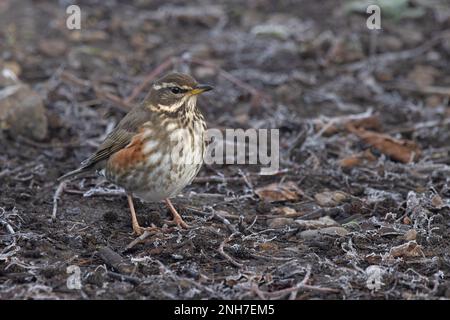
[(8, 77), (423, 75), (437, 202), (284, 211), (287, 191), (13, 66), (374, 275), (410, 235), (320, 223), (280, 222), (52, 47), (391, 43), (407, 220), (319, 233), (330, 198), (22, 112)]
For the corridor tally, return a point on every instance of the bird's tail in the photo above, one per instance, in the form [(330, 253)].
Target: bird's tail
[(74, 173)]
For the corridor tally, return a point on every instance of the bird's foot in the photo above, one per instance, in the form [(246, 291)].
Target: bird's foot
[(138, 230), (177, 221)]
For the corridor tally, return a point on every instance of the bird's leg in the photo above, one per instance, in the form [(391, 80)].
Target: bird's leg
[(136, 227), (176, 216)]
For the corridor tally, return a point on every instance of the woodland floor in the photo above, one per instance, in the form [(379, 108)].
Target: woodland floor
[(360, 208)]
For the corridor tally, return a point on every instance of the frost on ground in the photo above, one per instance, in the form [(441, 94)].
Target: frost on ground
[(359, 208)]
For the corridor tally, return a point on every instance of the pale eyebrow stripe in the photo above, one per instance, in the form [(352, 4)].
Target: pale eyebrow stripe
[(168, 85)]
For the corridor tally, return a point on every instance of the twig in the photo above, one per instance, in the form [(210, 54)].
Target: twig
[(68, 77), (293, 290), (151, 76), (442, 91), (260, 256), (218, 179), (56, 197), (293, 294), (74, 143), (225, 221), (139, 239), (203, 213), (123, 105), (123, 277), (257, 95), (420, 125), (395, 56), (99, 191), (298, 141), (5, 223), (226, 255), (114, 260)]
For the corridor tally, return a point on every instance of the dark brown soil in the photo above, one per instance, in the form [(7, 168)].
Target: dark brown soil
[(321, 64)]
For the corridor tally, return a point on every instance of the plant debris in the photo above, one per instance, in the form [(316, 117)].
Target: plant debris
[(358, 209)]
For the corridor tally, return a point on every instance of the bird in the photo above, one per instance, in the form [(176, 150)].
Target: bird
[(157, 148)]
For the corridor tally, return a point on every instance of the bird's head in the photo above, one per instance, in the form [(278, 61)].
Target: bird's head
[(175, 91)]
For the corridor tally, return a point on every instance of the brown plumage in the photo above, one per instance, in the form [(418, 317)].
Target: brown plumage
[(157, 148)]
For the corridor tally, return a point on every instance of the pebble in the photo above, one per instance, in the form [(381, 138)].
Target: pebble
[(410, 235), (322, 222), (280, 222), (319, 233), (22, 112)]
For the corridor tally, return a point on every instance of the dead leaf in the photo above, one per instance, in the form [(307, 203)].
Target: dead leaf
[(369, 122), (437, 202), (285, 211), (407, 220), (357, 159), (406, 250), (287, 191), (398, 149), (373, 258), (52, 47), (423, 76), (330, 198)]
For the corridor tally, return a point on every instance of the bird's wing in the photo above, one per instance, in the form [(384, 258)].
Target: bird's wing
[(120, 137)]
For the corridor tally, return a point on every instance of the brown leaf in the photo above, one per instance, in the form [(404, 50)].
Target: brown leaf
[(357, 159), (330, 198), (370, 122), (285, 211), (423, 76), (406, 250), (52, 47), (287, 191), (398, 149)]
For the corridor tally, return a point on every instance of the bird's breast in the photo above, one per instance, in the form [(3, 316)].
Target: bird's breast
[(172, 154)]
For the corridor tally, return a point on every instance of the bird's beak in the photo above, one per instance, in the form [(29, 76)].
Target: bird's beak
[(200, 88)]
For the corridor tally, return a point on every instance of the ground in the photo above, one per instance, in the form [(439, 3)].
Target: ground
[(359, 208)]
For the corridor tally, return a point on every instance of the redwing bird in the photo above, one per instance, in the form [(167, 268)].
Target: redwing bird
[(157, 148)]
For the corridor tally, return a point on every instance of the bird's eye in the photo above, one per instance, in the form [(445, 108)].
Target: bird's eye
[(175, 90)]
